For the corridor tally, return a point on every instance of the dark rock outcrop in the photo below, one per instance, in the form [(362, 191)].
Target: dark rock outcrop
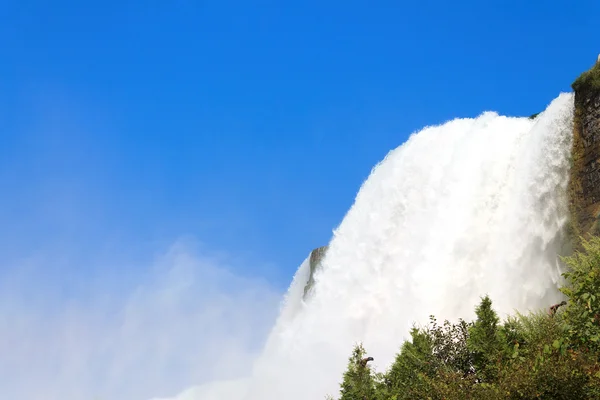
[(584, 184), (316, 256)]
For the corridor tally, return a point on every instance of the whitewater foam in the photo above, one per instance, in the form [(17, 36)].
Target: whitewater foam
[(471, 207)]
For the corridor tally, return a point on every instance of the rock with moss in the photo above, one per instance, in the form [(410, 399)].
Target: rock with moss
[(316, 257), (589, 80), (584, 183)]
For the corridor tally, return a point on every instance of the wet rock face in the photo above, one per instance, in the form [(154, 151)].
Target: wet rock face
[(585, 174), (590, 136), (316, 256)]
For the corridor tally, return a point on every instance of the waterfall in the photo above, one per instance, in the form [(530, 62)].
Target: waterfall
[(468, 208), (471, 207)]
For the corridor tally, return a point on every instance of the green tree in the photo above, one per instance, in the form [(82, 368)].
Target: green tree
[(358, 382), (411, 373), (485, 341), (534, 356), (449, 346), (511, 334)]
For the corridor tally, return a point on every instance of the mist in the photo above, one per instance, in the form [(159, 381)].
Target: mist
[(187, 320)]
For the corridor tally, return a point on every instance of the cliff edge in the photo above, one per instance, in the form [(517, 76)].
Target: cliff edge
[(584, 183)]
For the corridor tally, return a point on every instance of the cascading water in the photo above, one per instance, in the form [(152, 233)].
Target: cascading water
[(472, 207)]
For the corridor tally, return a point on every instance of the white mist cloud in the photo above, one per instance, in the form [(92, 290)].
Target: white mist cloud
[(188, 321)]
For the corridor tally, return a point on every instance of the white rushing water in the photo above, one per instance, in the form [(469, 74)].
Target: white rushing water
[(471, 207)]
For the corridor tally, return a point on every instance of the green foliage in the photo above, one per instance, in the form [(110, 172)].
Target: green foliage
[(450, 349), (512, 337), (485, 341), (358, 383), (546, 375), (534, 356), (582, 315), (411, 370), (589, 80)]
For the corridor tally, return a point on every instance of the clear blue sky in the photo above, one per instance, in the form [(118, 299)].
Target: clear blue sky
[(248, 126)]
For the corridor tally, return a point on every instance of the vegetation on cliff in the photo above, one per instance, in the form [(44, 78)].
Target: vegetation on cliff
[(589, 80), (544, 355)]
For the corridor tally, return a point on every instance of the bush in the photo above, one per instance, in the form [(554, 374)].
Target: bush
[(582, 314), (534, 356)]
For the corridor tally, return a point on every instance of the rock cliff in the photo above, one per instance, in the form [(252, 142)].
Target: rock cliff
[(584, 184), (315, 263)]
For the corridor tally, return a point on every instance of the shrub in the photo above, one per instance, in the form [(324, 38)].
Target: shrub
[(534, 356), (582, 314)]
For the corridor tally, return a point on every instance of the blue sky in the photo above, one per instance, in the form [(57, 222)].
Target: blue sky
[(248, 126), (243, 127)]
